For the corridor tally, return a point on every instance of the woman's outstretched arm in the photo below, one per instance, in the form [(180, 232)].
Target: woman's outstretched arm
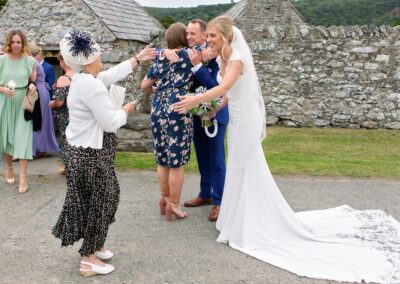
[(189, 102), (122, 70)]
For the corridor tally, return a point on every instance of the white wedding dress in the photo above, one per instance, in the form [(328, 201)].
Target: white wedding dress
[(339, 244)]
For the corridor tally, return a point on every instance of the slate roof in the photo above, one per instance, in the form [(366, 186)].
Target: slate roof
[(236, 10), (126, 19), (239, 8)]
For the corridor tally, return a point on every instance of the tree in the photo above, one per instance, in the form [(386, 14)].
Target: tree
[(166, 21), (184, 15), (2, 3), (348, 12)]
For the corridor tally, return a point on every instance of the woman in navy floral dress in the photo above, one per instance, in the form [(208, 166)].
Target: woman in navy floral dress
[(172, 132), (59, 104)]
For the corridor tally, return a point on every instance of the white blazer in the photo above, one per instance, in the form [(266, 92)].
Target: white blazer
[(91, 111)]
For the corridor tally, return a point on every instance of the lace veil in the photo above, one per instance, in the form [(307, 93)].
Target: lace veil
[(250, 75)]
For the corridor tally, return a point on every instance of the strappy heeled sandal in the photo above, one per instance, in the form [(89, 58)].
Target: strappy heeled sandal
[(10, 180), (162, 204), (172, 210), (22, 189)]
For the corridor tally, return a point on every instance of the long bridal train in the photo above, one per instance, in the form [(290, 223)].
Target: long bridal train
[(339, 244)]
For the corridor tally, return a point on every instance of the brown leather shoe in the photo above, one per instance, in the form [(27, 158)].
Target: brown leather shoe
[(214, 213), (198, 201)]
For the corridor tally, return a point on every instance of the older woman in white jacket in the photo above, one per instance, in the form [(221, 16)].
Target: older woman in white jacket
[(92, 187)]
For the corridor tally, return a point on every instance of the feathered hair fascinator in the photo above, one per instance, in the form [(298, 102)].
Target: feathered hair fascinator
[(78, 48), (81, 42)]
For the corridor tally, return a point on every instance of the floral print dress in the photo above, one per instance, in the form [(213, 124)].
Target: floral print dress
[(172, 132), (62, 115)]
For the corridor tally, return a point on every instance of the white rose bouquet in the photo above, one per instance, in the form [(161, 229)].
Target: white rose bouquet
[(205, 109)]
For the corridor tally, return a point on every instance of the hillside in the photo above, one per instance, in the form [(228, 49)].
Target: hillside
[(316, 12), (349, 12)]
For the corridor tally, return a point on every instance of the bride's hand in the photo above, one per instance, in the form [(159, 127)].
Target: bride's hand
[(208, 54), (186, 103)]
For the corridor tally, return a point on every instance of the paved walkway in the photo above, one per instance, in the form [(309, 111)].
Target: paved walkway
[(148, 249)]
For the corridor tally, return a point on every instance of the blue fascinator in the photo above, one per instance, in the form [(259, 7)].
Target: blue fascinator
[(79, 48)]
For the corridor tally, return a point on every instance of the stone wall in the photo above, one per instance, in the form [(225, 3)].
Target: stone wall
[(45, 21), (252, 16), (136, 134), (335, 76)]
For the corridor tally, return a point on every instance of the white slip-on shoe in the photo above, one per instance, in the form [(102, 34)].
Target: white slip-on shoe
[(95, 269), (104, 255)]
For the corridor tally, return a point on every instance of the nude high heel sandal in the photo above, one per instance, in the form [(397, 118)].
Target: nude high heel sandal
[(23, 186), (172, 210), (162, 204), (9, 180)]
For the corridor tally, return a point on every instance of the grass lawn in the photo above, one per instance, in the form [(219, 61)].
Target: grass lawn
[(313, 152)]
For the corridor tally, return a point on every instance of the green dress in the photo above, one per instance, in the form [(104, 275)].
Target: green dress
[(15, 131)]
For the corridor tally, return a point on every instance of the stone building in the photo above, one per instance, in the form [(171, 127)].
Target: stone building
[(121, 27), (252, 16), (341, 76)]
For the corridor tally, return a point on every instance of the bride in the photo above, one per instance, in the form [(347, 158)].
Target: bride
[(341, 243)]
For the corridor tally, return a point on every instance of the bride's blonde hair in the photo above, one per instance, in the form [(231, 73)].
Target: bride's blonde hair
[(224, 25)]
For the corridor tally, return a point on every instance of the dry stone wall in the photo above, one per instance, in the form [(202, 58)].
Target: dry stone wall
[(329, 76), (46, 21)]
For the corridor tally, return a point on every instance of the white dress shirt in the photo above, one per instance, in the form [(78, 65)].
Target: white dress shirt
[(91, 111)]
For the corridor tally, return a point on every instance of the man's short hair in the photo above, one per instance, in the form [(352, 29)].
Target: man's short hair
[(202, 24)]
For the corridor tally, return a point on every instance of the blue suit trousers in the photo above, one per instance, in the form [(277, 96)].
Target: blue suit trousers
[(210, 154)]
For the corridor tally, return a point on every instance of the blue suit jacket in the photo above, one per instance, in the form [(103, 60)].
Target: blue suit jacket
[(50, 77), (207, 76)]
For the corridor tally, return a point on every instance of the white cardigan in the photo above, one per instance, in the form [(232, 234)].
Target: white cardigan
[(91, 111)]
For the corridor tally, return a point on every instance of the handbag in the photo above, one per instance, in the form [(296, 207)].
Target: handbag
[(31, 105), (30, 98), (35, 116)]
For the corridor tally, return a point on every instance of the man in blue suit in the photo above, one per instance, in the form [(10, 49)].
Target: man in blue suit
[(210, 152), (49, 73)]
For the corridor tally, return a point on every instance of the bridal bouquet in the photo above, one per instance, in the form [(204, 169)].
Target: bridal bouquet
[(205, 109)]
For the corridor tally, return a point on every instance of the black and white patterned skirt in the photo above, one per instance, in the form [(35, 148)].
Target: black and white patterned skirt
[(92, 196)]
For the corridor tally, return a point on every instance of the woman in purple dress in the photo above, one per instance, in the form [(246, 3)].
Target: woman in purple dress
[(44, 141)]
